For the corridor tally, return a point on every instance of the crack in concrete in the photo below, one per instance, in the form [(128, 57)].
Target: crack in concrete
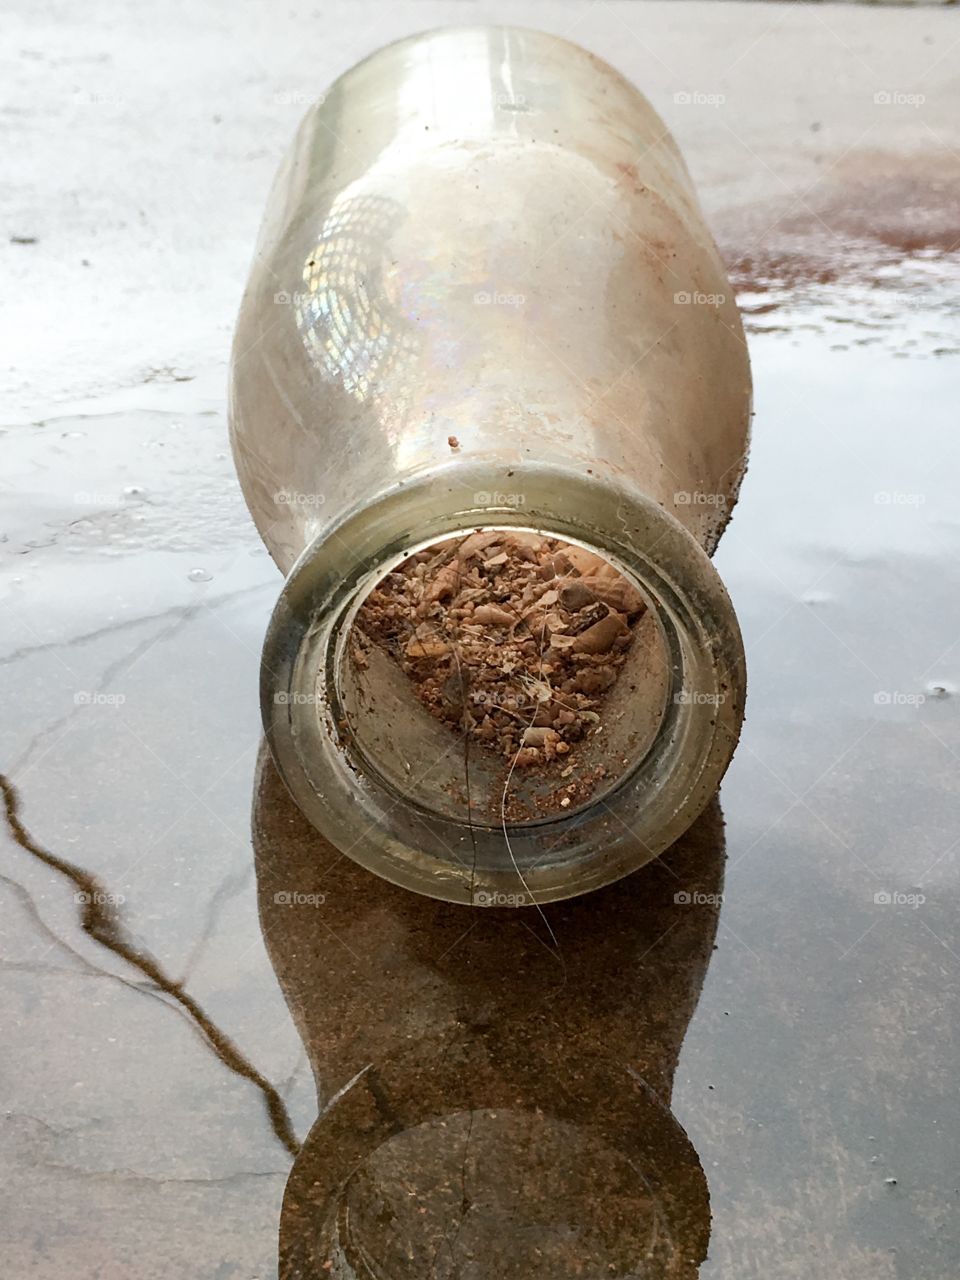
[(101, 921)]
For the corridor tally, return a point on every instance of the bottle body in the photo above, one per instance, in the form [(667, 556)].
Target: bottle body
[(484, 296)]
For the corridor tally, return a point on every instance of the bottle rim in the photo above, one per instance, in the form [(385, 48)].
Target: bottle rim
[(551, 858)]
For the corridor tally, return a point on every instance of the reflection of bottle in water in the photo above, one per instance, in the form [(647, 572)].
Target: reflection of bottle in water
[(494, 1103), (484, 295)]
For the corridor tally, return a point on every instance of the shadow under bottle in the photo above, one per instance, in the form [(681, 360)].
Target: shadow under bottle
[(494, 1085)]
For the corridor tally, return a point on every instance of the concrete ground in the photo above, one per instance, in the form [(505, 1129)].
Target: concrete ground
[(140, 142), (165, 1044)]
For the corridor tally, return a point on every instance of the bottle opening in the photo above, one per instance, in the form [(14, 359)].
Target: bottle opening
[(502, 677), (372, 706)]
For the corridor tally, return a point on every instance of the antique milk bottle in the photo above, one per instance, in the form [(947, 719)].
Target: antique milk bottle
[(484, 298)]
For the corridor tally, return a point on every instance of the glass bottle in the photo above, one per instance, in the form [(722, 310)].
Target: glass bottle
[(484, 297)]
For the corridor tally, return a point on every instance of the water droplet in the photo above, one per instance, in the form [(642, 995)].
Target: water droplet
[(199, 575)]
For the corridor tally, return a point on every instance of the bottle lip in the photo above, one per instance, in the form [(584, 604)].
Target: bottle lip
[(553, 858)]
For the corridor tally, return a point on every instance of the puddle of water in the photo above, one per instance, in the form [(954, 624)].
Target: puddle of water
[(907, 308), (766, 1086)]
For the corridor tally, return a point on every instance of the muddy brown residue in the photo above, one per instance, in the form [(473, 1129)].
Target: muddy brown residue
[(874, 208), (512, 639)]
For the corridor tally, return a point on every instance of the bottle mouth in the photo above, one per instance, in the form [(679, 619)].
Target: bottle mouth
[(383, 782)]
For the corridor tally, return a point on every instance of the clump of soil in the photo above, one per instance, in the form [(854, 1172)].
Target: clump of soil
[(512, 638)]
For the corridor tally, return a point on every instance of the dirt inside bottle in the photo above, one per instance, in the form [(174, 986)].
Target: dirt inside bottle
[(504, 677)]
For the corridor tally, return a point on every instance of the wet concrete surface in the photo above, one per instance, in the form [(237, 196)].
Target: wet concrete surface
[(221, 1054)]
